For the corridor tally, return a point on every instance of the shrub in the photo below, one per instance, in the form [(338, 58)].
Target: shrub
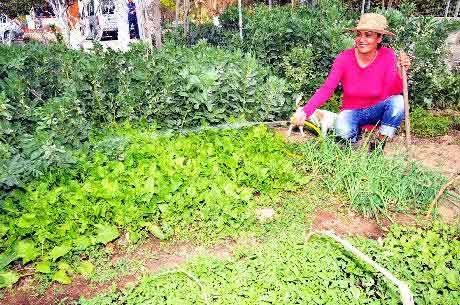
[(58, 94), (425, 124), (300, 45)]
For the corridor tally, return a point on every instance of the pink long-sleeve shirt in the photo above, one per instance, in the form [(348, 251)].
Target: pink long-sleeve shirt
[(362, 87)]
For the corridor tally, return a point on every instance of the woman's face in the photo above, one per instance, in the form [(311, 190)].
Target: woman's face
[(367, 41)]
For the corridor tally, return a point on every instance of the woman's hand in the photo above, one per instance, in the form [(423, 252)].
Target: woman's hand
[(403, 61)]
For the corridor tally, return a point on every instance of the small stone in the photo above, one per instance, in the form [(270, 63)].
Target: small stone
[(264, 214)]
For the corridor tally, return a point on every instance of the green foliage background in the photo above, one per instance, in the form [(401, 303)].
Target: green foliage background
[(300, 45)]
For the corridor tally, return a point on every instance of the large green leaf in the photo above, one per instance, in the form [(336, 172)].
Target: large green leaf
[(86, 268), (7, 257), (155, 230), (43, 267), (26, 250), (7, 279), (26, 220), (61, 277), (106, 233), (59, 251)]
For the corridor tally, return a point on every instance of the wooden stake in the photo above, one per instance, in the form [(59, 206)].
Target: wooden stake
[(406, 108)]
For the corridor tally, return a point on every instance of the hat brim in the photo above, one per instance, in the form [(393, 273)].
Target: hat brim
[(384, 32)]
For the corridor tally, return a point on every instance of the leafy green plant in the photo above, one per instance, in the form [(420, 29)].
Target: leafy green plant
[(60, 95), (300, 45), (426, 124), (195, 186), (289, 271)]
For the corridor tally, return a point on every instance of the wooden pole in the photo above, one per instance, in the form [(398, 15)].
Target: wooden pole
[(406, 108)]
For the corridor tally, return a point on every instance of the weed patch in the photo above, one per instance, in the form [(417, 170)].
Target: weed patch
[(288, 271)]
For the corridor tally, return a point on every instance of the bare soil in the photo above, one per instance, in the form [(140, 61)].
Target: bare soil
[(441, 154), (165, 256)]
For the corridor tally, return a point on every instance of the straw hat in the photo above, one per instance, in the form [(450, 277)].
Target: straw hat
[(373, 22)]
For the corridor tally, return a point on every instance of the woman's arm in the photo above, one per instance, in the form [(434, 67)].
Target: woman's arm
[(326, 90)]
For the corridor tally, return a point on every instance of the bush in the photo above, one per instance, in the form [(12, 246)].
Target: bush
[(50, 97), (426, 124), (300, 45)]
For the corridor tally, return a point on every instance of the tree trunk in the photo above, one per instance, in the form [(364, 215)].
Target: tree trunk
[(368, 5), (60, 10), (447, 8), (156, 23), (457, 9), (390, 3), (363, 5), (240, 21), (176, 20), (186, 19), (383, 4), (270, 4), (121, 10)]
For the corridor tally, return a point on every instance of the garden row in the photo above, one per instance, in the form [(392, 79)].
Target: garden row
[(202, 186), (51, 97)]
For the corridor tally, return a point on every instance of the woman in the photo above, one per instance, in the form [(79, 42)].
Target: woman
[(371, 78)]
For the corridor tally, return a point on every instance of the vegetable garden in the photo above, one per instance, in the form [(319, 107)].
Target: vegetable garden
[(103, 152)]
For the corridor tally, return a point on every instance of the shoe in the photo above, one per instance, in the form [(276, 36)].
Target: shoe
[(377, 144)]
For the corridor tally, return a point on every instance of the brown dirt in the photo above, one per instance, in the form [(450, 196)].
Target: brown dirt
[(154, 255), (346, 224), (441, 154)]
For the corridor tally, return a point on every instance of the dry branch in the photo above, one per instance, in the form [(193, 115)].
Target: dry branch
[(441, 191)]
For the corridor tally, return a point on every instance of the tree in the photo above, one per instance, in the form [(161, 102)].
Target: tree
[(176, 20), (153, 23), (60, 9), (14, 8), (447, 8), (457, 8), (186, 19)]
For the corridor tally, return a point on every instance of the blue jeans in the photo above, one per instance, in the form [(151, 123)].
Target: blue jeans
[(388, 113)]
